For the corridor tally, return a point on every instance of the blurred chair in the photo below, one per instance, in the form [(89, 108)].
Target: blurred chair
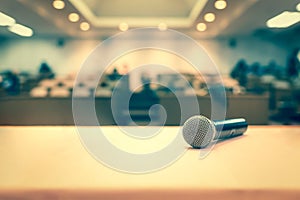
[(254, 84), (89, 84), (266, 81), (39, 92), (68, 83), (281, 84), (103, 92), (81, 91), (59, 92), (49, 83), (282, 101)]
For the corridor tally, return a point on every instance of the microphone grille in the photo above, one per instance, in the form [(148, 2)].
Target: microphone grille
[(198, 131)]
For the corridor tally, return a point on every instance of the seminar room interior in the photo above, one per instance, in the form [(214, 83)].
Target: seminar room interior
[(74, 71), (254, 46)]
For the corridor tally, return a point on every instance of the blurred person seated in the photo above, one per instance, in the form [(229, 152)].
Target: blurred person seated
[(293, 65), (239, 72), (45, 71), (115, 75), (140, 104), (256, 69), (271, 68), (11, 83)]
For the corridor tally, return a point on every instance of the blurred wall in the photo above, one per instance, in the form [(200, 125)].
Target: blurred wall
[(65, 56)]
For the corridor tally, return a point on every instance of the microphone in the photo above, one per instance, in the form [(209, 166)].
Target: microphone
[(199, 131)]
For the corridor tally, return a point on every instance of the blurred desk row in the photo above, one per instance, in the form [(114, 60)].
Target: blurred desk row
[(264, 100), (58, 111)]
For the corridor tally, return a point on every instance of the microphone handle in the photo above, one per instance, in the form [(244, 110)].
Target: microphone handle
[(230, 128)]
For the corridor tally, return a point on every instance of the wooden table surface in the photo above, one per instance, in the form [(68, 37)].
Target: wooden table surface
[(48, 162)]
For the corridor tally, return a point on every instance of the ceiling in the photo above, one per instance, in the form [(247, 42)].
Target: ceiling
[(137, 13), (239, 18)]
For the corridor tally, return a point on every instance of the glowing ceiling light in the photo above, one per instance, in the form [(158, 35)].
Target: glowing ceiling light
[(6, 20), (162, 26), (21, 30), (201, 27), (58, 4), (123, 27), (220, 4), (73, 17), (84, 26), (209, 17), (284, 20), (298, 7)]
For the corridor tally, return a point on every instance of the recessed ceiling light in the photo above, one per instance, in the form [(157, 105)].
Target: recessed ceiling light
[(298, 7), (6, 20), (209, 17), (58, 4), (123, 27), (84, 26), (21, 30), (162, 26), (201, 27), (284, 20), (220, 4), (73, 17)]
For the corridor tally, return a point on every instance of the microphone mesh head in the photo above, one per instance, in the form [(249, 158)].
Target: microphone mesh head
[(198, 131)]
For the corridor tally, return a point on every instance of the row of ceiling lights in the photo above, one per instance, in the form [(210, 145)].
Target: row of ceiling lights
[(208, 17), (73, 17), (84, 26), (211, 17), (285, 19), (12, 26)]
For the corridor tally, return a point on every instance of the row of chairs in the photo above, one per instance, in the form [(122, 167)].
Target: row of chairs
[(64, 88)]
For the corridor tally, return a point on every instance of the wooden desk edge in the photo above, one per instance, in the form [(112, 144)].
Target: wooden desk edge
[(207, 194)]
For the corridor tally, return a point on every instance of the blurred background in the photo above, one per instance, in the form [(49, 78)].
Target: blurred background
[(254, 44)]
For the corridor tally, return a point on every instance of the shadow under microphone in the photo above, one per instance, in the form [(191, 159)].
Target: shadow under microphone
[(199, 131)]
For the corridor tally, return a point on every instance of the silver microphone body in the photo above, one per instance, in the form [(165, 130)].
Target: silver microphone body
[(199, 131)]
